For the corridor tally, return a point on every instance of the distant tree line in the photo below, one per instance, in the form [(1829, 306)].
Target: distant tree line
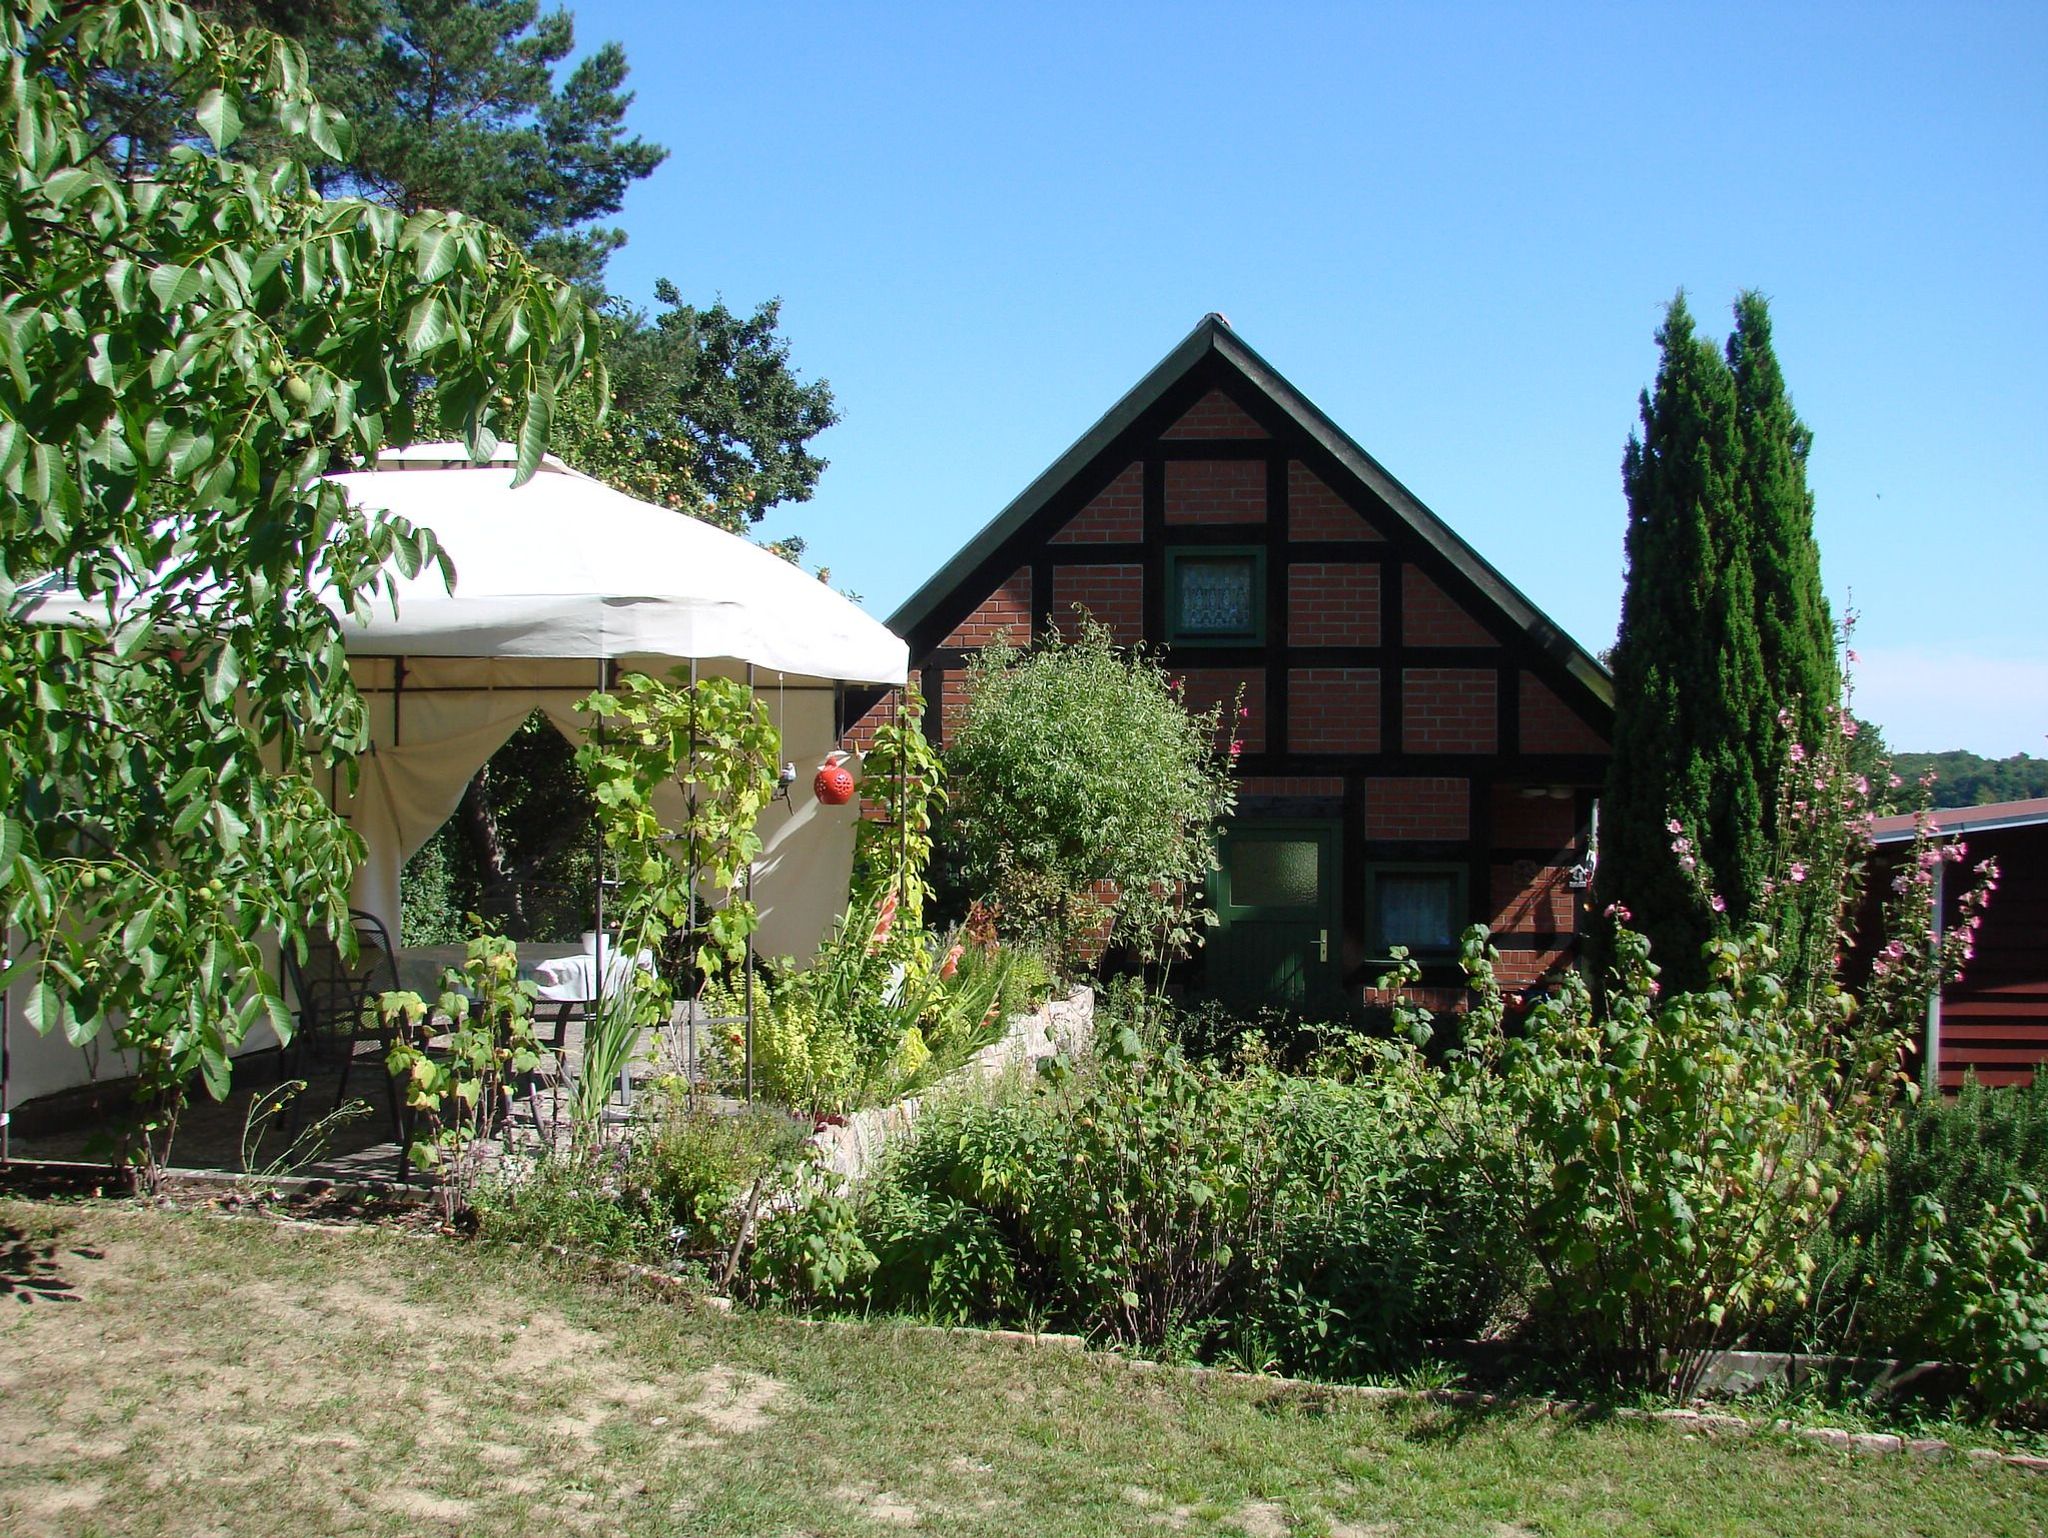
[(1966, 779)]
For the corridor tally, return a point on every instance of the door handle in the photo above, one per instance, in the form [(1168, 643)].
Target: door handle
[(1322, 945)]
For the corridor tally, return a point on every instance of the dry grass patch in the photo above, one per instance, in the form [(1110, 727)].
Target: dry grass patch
[(184, 1374)]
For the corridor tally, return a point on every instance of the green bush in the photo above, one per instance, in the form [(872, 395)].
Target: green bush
[(1669, 1160), (1075, 771), (881, 1010), (1961, 1152), (1275, 1220), (671, 1193)]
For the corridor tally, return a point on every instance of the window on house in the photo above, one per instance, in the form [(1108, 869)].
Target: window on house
[(1216, 595), (1419, 906)]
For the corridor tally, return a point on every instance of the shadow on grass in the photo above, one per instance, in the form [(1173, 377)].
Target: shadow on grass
[(30, 1272)]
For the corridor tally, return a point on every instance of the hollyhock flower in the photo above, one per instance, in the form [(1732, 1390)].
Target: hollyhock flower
[(1849, 726), (1798, 752), (1618, 913), (1853, 658), (1718, 903), (1798, 872), (1688, 864), (1674, 826), (1236, 751)]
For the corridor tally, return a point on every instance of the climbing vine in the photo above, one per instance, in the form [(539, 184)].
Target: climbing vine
[(904, 777)]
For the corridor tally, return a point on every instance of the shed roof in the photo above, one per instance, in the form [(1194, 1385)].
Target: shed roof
[(1965, 819), (1214, 336)]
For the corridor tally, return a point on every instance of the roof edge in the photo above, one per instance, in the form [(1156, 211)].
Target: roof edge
[(1213, 333)]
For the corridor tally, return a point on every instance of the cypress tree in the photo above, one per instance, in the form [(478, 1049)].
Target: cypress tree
[(1688, 664), (1793, 621)]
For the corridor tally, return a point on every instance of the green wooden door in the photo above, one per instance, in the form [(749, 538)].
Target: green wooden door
[(1276, 898)]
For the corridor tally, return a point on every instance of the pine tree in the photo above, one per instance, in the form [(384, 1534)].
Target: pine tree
[(456, 105), (1688, 664)]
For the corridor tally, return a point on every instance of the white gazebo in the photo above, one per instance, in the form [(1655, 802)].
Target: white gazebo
[(560, 585)]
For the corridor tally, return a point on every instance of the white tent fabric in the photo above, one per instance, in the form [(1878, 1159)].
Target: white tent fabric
[(559, 583), (567, 567)]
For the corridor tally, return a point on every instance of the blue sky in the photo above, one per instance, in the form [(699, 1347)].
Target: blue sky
[(1455, 228)]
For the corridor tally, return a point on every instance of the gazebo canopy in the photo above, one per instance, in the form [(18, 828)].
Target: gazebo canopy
[(558, 584), (564, 566)]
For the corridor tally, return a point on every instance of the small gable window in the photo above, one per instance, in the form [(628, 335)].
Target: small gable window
[(1216, 596)]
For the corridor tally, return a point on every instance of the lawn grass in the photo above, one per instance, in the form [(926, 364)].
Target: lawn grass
[(181, 1373)]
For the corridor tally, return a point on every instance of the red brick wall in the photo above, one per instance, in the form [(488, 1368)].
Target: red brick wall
[(1333, 604), (1532, 822), (1215, 415), (1449, 710), (1518, 969), (1204, 687), (1215, 491), (1333, 710), (1438, 809), (1316, 512), (1006, 611), (1542, 903), (952, 700), (1551, 726), (1429, 618), (1115, 595), (1116, 514)]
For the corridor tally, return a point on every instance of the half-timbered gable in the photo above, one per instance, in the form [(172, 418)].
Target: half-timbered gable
[(1421, 746)]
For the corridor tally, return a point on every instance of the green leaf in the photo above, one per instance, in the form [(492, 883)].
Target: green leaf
[(533, 436), (224, 677), (426, 326), (220, 117), (175, 286)]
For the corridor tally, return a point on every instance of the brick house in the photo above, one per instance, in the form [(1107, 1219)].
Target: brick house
[(1422, 747)]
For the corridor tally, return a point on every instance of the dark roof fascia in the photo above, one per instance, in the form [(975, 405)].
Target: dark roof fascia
[(1949, 821), (1214, 334), (1448, 543), (919, 605)]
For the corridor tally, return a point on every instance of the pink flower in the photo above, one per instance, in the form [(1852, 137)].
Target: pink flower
[(1853, 658), (1718, 903), (1674, 826), (1798, 872), (1618, 913), (952, 962), (1236, 751), (1688, 864), (1798, 753), (1244, 712), (1849, 726)]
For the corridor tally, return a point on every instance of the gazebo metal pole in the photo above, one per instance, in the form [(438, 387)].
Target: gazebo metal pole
[(6, 1063), (902, 808), (597, 942), (749, 965), (747, 962)]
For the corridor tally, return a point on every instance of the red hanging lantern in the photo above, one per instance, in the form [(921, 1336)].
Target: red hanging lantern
[(834, 784)]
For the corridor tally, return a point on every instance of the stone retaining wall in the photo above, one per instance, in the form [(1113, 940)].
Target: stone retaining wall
[(850, 1150)]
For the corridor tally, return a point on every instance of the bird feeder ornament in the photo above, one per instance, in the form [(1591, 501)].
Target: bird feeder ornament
[(834, 784)]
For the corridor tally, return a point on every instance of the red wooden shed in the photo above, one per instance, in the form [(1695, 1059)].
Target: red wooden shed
[(1994, 1021)]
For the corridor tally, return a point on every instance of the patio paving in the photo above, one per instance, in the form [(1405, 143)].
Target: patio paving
[(215, 1135)]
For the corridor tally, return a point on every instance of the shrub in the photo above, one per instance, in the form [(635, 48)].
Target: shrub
[(1274, 1220), (1074, 771), (1669, 1162), (1961, 1153), (1989, 1281), (880, 1010), (673, 1192)]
